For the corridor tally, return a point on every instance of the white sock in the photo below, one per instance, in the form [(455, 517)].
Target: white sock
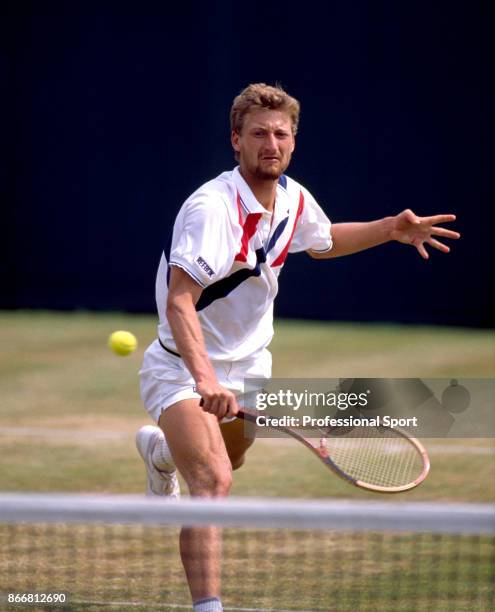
[(161, 457), (210, 604)]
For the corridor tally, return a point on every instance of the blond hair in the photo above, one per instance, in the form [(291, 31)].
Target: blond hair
[(260, 96)]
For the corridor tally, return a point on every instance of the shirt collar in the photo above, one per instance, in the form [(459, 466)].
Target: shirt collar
[(249, 202)]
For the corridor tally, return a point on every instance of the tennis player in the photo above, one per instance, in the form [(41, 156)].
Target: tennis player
[(215, 288)]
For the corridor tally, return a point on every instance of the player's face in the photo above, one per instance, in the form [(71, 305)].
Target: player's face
[(265, 144)]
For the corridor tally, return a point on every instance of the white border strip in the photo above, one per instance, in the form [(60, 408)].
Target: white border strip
[(171, 606), (336, 514)]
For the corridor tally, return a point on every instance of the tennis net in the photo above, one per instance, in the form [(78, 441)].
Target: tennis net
[(119, 552)]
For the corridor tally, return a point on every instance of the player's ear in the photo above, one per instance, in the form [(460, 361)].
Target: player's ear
[(234, 139)]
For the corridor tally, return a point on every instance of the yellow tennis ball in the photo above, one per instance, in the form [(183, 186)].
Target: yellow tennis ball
[(122, 342)]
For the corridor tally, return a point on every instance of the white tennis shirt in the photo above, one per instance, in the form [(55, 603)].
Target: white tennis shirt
[(229, 244)]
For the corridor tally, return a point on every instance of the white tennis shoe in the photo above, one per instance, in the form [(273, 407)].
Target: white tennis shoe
[(159, 482)]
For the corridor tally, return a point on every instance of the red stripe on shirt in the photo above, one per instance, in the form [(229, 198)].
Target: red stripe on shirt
[(248, 232), (281, 258)]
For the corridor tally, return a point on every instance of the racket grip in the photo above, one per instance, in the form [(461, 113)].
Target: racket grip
[(239, 415)]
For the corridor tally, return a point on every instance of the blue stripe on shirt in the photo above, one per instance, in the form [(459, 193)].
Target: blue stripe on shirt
[(276, 234)]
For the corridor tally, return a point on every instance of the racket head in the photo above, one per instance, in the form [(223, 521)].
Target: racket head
[(380, 459), (375, 458)]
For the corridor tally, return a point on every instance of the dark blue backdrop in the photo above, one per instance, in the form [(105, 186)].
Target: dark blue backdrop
[(112, 113)]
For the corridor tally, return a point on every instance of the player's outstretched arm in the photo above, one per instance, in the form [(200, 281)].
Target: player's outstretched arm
[(406, 227), (183, 294)]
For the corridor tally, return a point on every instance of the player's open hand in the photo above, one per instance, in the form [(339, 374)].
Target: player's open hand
[(217, 400), (408, 228)]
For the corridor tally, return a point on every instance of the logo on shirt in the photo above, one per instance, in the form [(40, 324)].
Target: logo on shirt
[(204, 266)]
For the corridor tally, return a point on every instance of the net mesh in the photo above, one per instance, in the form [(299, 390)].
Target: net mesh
[(137, 566)]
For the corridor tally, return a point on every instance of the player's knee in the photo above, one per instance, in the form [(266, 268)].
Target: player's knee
[(216, 482)]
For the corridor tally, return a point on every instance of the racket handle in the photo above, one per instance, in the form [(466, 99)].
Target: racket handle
[(240, 415)]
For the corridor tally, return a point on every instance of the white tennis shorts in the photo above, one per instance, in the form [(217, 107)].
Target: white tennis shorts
[(165, 380)]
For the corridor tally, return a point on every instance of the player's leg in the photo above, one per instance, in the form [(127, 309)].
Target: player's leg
[(199, 452), (238, 436)]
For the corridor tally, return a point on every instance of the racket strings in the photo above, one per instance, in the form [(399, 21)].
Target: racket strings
[(377, 457)]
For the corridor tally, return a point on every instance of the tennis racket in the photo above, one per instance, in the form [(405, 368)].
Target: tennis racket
[(380, 459)]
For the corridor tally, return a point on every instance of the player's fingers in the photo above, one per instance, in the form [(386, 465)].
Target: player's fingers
[(220, 404), (233, 408), (438, 245), (421, 249), (223, 407), (441, 231), (227, 406), (219, 407), (435, 219), (209, 404), (205, 404)]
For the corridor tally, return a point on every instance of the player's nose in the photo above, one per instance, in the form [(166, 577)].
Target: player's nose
[(270, 143)]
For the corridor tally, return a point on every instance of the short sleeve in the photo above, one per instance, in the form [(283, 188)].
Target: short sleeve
[(313, 228), (204, 240)]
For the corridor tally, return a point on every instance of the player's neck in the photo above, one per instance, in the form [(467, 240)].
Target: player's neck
[(264, 191)]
